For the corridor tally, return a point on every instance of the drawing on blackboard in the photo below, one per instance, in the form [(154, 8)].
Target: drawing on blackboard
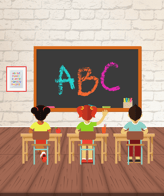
[(61, 81), (84, 78), (116, 88), (87, 77)]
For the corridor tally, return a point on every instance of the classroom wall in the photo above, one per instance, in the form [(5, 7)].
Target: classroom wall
[(24, 24)]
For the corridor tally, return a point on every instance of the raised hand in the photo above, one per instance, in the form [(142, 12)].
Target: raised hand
[(105, 112)]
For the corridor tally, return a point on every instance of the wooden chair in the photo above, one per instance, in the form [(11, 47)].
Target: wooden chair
[(40, 135), (135, 135), (87, 135)]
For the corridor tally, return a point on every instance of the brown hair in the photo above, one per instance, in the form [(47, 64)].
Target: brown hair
[(135, 112)]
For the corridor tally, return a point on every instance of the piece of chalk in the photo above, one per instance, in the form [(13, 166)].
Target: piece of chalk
[(91, 105), (106, 106), (51, 106)]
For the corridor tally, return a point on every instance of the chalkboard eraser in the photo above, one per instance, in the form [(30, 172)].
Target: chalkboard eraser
[(106, 106), (51, 106)]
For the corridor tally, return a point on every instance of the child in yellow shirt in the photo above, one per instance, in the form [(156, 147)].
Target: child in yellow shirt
[(40, 112)]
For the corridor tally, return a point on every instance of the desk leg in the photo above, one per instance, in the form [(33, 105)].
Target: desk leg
[(102, 150), (26, 150), (148, 150), (116, 151), (69, 150), (151, 148), (73, 151), (58, 148), (55, 150), (105, 148), (23, 161), (119, 150)]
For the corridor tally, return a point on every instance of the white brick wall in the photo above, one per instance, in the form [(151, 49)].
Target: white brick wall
[(24, 24)]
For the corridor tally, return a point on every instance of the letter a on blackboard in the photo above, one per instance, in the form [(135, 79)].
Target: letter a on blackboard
[(61, 81)]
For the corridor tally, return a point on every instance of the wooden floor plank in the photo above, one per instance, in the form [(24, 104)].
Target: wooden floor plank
[(19, 180), (159, 159), (3, 129), (93, 180), (63, 177), (158, 140), (47, 179), (116, 177), (139, 177), (4, 159), (160, 129), (10, 168), (156, 170), (69, 180), (9, 135), (15, 144)]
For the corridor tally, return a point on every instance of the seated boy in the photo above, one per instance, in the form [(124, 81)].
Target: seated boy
[(135, 114)]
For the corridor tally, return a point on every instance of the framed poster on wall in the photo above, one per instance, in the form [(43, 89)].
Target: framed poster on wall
[(16, 79)]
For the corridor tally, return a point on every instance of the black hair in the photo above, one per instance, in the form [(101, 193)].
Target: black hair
[(40, 112), (135, 112)]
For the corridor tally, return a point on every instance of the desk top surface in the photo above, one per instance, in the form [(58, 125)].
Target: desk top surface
[(51, 135), (75, 135), (120, 135)]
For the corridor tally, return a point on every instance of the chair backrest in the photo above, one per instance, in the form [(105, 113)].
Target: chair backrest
[(134, 135), (87, 135), (40, 135)]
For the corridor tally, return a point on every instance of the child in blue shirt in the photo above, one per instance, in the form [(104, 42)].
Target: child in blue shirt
[(135, 114)]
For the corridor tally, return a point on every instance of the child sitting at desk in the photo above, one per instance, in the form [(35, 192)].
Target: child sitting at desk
[(135, 114), (87, 112), (40, 112)]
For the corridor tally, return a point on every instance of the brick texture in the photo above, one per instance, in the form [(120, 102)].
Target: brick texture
[(25, 24)]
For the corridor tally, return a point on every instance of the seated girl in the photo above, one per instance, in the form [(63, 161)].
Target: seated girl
[(87, 112), (40, 112)]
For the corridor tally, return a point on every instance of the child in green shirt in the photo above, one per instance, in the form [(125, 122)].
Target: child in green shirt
[(87, 112)]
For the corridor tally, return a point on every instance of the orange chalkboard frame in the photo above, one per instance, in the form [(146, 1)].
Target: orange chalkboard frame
[(139, 48)]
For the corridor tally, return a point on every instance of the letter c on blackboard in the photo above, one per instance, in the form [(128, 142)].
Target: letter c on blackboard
[(116, 88)]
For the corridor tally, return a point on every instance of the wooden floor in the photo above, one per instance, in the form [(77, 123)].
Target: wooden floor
[(106, 179)]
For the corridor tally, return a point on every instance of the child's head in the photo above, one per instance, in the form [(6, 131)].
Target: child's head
[(40, 112), (86, 112), (135, 113)]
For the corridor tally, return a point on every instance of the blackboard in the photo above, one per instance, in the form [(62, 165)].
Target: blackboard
[(48, 61)]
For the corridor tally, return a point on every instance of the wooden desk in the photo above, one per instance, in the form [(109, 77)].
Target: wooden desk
[(122, 137), (102, 137), (27, 137)]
